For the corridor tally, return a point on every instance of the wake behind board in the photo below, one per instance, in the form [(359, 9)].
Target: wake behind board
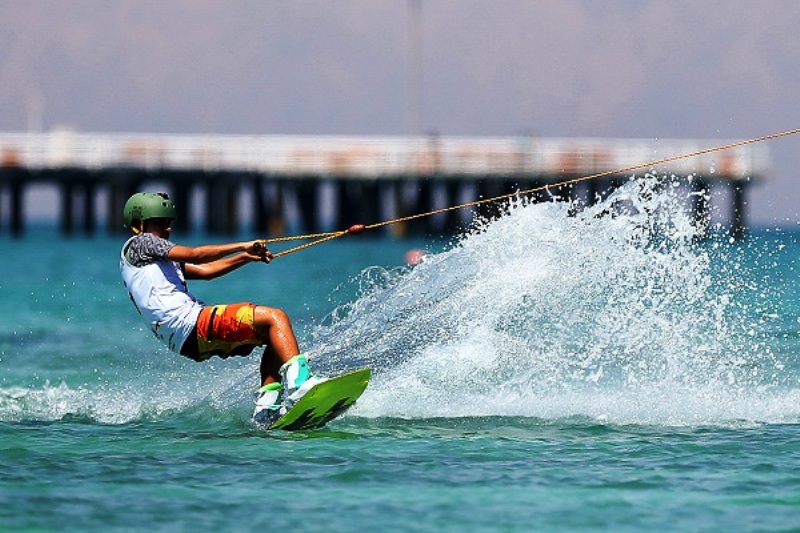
[(324, 402)]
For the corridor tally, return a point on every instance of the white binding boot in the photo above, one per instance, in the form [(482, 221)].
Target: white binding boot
[(297, 379), (269, 404)]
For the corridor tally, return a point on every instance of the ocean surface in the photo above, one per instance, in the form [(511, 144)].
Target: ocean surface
[(549, 371)]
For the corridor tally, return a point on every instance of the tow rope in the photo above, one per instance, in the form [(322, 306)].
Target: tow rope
[(357, 229)]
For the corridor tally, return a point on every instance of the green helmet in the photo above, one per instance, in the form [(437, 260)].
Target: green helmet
[(146, 205)]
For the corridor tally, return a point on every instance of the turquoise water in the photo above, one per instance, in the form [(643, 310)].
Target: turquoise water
[(606, 371)]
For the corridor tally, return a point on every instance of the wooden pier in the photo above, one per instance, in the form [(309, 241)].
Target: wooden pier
[(289, 184)]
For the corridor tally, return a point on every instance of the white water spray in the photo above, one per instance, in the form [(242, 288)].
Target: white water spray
[(618, 313), (614, 313)]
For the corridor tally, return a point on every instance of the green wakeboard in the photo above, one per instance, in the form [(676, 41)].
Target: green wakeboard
[(324, 402)]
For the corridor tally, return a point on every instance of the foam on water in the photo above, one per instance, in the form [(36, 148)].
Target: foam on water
[(617, 313), (151, 397), (614, 313)]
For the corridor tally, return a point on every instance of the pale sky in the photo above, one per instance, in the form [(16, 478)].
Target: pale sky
[(714, 69)]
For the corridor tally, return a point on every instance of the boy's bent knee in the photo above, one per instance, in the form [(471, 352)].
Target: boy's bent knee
[(270, 315)]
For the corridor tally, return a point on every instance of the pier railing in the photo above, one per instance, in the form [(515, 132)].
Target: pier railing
[(372, 156)]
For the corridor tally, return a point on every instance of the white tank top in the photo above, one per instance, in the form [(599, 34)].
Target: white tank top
[(159, 292)]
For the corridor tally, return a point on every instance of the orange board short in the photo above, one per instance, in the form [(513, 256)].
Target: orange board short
[(226, 330)]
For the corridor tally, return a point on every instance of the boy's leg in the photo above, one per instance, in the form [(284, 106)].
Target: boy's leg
[(275, 329), (282, 361)]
